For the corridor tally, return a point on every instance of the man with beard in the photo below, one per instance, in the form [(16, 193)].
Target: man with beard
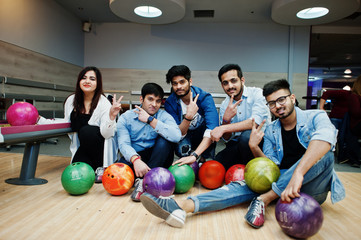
[(299, 142), (194, 111), (147, 136), (236, 113)]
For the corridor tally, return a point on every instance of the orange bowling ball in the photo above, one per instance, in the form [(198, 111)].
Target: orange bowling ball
[(211, 174), (118, 178)]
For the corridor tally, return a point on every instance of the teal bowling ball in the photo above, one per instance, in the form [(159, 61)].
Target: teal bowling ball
[(184, 177), (78, 178)]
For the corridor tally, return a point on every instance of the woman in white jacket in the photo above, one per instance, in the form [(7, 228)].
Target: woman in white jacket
[(93, 120)]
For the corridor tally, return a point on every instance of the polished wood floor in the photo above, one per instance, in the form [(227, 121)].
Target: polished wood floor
[(48, 212)]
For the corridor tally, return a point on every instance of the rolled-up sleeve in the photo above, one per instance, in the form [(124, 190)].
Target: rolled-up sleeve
[(168, 128)]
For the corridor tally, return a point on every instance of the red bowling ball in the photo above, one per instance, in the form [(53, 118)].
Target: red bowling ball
[(22, 113)]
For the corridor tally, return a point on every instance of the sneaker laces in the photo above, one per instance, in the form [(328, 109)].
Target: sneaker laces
[(168, 197), (99, 171), (257, 208), (139, 185)]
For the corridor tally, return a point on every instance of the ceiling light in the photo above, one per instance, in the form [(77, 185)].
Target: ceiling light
[(313, 12), (289, 12), (347, 88), (148, 11), (347, 71)]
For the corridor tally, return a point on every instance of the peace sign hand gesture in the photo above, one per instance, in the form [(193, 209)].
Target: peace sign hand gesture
[(192, 107), (142, 114), (231, 110), (116, 107), (256, 134)]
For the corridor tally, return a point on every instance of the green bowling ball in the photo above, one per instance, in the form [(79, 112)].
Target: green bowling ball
[(78, 178), (184, 177), (260, 173)]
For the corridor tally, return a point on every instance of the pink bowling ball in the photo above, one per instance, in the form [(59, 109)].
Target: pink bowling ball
[(22, 113)]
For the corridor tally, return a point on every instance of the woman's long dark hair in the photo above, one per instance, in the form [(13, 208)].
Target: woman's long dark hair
[(79, 94)]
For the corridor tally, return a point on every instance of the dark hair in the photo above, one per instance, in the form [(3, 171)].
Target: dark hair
[(229, 67), (78, 102), (274, 86), (152, 88), (178, 70)]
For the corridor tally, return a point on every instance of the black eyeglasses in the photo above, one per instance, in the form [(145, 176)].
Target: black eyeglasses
[(281, 101)]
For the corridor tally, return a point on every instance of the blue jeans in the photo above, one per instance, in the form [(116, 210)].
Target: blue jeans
[(160, 155), (192, 140), (316, 182)]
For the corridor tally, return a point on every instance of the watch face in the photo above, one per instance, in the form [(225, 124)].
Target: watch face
[(150, 118)]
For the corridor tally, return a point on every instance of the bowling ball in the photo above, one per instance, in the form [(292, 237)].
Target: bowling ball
[(159, 181), (211, 174), (78, 178), (260, 173), (300, 218), (118, 178), (235, 173), (184, 177), (22, 113), (195, 167)]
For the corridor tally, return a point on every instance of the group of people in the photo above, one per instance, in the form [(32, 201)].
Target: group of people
[(299, 142), (345, 115)]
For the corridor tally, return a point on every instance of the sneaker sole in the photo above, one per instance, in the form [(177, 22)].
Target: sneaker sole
[(255, 226), (157, 211)]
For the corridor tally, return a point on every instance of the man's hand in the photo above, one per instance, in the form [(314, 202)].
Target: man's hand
[(256, 135), (185, 160), (216, 134), (192, 107), (231, 110), (142, 114), (116, 107), (293, 188), (140, 168)]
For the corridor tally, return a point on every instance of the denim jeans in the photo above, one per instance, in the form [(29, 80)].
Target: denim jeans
[(316, 182), (192, 140), (160, 155)]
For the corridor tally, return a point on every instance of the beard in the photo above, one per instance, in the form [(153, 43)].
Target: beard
[(286, 114), (185, 94), (239, 94)]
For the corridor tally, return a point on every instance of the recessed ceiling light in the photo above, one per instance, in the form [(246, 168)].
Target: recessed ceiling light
[(148, 11), (314, 12), (347, 71)]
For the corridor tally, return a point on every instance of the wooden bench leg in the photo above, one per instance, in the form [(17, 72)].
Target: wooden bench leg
[(28, 167)]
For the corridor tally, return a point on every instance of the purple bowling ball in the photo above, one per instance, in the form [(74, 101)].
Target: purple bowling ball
[(195, 167), (159, 182), (301, 218)]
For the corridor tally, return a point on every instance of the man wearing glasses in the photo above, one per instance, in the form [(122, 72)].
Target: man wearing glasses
[(299, 142), (236, 113)]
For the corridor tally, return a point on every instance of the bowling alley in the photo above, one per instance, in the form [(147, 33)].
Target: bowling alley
[(181, 119)]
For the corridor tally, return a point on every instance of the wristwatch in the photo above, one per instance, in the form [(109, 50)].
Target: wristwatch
[(150, 118), (195, 154)]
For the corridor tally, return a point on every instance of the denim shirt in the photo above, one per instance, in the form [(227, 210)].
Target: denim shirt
[(135, 136), (252, 106), (311, 125), (206, 107)]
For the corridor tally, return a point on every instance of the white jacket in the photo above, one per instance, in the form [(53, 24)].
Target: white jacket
[(100, 118)]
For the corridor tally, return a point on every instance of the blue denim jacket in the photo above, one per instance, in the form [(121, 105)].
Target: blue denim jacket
[(207, 108), (135, 136), (311, 125)]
